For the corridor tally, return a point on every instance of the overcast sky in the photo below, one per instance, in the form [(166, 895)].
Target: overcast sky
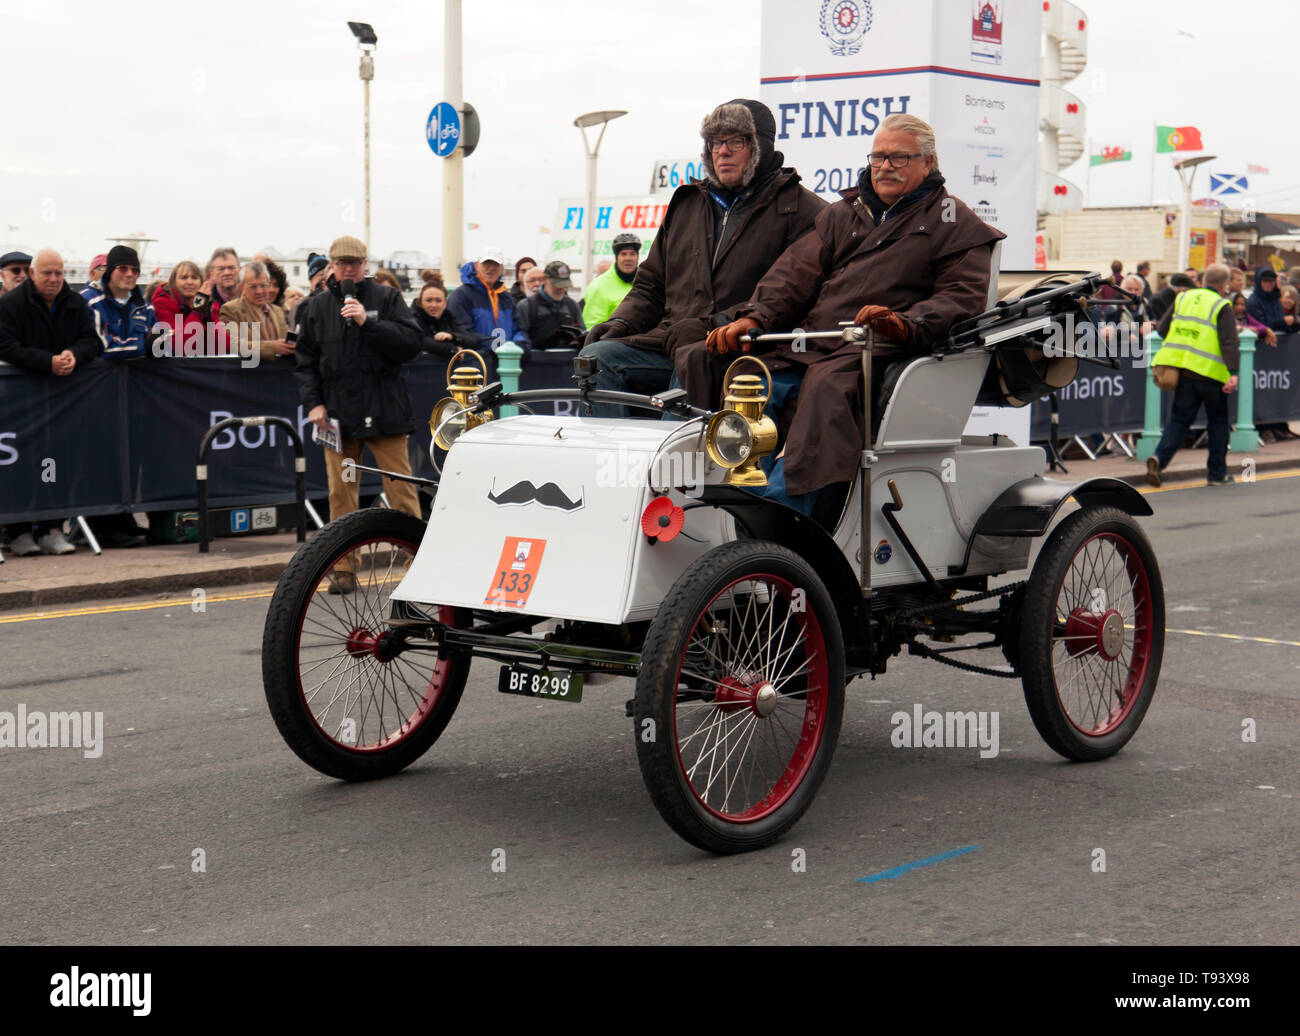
[(241, 122)]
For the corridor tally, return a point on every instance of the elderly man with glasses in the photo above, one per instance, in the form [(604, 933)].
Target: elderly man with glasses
[(14, 269), (717, 239), (899, 255)]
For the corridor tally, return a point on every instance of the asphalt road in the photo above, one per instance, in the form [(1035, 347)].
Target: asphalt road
[(1198, 827)]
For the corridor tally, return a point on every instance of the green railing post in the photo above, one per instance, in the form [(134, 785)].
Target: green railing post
[(1244, 438), (1150, 438), (508, 371)]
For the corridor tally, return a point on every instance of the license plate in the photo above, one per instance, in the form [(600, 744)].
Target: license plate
[(555, 684)]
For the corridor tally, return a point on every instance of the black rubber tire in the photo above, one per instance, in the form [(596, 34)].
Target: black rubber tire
[(299, 586), (662, 657), (1043, 654)]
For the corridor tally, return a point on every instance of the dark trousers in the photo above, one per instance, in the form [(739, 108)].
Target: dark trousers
[(1193, 393)]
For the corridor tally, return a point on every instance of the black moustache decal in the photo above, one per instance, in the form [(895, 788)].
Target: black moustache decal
[(548, 495)]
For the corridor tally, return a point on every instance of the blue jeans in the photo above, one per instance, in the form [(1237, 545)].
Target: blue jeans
[(1189, 396), (785, 390), (625, 368)]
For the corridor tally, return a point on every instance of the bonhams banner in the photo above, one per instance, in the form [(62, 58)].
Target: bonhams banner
[(124, 436), (833, 69)]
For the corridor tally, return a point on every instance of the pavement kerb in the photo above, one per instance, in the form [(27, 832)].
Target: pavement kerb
[(261, 570)]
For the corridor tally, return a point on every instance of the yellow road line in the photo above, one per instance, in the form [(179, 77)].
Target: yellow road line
[(1148, 490), (1235, 636), (108, 609), (177, 602)]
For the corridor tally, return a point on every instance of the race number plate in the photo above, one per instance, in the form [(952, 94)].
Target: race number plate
[(540, 683), (515, 575)]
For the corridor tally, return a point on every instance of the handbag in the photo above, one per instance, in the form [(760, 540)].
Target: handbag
[(1166, 378)]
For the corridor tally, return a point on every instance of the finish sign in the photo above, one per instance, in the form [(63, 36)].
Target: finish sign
[(443, 129)]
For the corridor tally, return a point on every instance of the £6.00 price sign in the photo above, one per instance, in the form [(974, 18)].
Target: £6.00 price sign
[(669, 174)]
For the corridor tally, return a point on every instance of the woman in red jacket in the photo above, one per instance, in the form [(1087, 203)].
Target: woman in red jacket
[(179, 307)]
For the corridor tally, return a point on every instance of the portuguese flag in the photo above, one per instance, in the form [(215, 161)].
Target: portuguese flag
[(1178, 138), (1107, 155)]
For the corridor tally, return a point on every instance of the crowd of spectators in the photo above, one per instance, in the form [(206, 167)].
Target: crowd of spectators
[(1269, 306), (225, 309)]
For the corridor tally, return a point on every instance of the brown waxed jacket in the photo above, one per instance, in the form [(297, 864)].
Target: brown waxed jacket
[(929, 263), (679, 287)]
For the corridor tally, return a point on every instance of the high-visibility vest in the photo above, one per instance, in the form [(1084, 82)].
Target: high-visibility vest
[(1193, 339)]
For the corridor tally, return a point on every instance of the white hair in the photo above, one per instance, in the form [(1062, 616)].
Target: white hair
[(916, 127)]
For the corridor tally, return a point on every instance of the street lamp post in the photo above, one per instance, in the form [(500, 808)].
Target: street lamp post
[(366, 40), (1187, 173), (601, 119), (453, 173)]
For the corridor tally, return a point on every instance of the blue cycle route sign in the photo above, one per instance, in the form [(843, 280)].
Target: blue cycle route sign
[(443, 129)]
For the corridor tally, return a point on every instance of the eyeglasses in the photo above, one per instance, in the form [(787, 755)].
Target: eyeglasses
[(732, 145), (128, 269), (896, 161), (16, 269)]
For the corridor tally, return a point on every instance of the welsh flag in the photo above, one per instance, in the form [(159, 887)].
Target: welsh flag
[(1178, 138), (1107, 155)]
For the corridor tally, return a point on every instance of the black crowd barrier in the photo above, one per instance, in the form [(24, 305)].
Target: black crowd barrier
[(1102, 400), (122, 435)]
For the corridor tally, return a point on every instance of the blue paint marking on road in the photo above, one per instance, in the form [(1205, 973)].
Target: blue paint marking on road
[(899, 871)]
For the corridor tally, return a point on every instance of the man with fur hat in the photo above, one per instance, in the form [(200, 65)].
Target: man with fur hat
[(898, 254), (717, 239)]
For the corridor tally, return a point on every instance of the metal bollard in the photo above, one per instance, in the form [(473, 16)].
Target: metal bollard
[(1151, 428), (508, 370), (1244, 438), (299, 467)]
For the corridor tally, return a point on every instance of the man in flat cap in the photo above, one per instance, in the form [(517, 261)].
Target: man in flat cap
[(353, 339)]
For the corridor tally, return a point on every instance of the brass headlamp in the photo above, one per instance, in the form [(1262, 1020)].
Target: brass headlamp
[(450, 418), (739, 436)]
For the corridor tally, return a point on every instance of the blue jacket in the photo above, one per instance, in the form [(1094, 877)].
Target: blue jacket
[(125, 327), (471, 306), (1266, 306)]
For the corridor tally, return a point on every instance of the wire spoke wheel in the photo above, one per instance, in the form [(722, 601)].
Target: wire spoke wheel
[(353, 695), (1092, 633), (742, 683)]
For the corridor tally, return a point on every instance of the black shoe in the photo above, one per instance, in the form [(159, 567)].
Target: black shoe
[(343, 583), (1153, 471), (1227, 480)]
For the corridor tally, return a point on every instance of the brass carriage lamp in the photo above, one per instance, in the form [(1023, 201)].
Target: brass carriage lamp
[(451, 418), (739, 436)]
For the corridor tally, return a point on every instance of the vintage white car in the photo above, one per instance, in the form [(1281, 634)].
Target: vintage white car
[(572, 550)]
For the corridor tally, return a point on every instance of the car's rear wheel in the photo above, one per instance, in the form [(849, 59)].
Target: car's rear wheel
[(1092, 633)]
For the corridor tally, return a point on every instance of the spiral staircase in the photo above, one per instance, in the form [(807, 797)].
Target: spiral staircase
[(1062, 117)]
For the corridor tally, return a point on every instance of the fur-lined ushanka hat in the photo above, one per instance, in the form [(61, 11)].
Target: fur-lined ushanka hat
[(745, 118)]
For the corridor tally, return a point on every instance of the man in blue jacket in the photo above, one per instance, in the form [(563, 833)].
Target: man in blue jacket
[(122, 316), (1265, 303), (484, 306)]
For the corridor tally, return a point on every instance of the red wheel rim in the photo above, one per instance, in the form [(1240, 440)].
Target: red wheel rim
[(749, 711), (1102, 634), (359, 695)]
